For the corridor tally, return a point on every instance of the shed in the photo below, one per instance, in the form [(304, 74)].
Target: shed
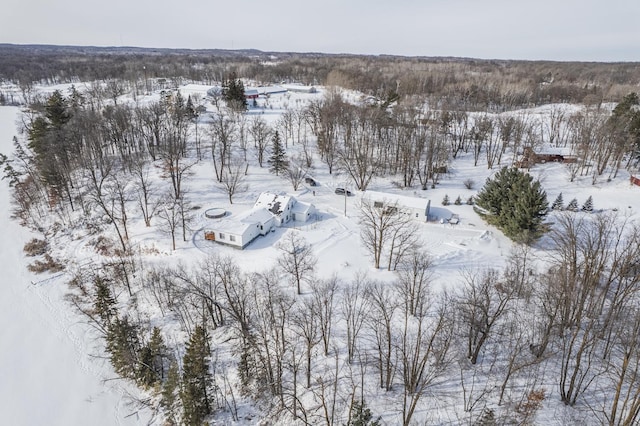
[(417, 208)]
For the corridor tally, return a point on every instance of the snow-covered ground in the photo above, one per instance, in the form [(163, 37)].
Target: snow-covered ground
[(51, 370), (48, 366)]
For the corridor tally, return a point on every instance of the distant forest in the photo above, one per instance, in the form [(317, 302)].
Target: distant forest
[(447, 83)]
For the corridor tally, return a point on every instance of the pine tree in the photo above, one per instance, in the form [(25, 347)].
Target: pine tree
[(573, 205), (558, 204), (233, 93), (445, 200), (588, 205), (169, 396), (49, 141), (515, 203), (278, 161), (361, 415), (104, 304), (196, 378), (458, 201), (123, 345), (152, 357)]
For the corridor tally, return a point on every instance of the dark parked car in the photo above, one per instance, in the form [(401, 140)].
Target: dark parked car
[(342, 191), (310, 181)]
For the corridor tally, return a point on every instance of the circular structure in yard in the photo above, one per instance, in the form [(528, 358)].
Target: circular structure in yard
[(215, 213)]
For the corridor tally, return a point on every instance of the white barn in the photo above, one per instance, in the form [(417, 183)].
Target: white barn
[(417, 208)]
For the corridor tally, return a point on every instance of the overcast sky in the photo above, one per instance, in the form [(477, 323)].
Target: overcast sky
[(584, 30)]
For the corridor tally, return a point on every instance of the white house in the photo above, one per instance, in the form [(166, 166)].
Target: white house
[(269, 211), (279, 205), (417, 208), (241, 230)]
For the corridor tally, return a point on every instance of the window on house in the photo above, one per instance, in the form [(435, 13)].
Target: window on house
[(221, 236), (377, 204), (232, 237)]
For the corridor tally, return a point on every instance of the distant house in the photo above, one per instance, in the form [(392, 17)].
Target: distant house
[(271, 210), (271, 90), (416, 208), (299, 88), (251, 93)]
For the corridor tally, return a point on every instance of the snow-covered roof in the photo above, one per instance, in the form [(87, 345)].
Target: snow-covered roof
[(270, 90), (275, 203), (230, 226), (402, 200), (300, 207), (259, 215)]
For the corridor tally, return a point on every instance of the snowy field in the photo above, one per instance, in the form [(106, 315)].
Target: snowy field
[(51, 369), (51, 365)]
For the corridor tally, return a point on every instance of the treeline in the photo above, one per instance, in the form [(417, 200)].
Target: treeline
[(83, 146), (467, 84)]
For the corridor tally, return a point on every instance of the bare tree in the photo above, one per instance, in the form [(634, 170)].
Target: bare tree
[(381, 224), (169, 213), (261, 134), (297, 260), (355, 309), (380, 321), (484, 300), (223, 131), (424, 354), (145, 190), (107, 190), (306, 324), (414, 277), (324, 292), (295, 172), (233, 178)]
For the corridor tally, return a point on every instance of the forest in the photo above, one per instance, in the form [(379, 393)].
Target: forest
[(212, 341)]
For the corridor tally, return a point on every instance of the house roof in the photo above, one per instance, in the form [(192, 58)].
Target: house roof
[(401, 200), (259, 215), (230, 226), (274, 203), (300, 207)]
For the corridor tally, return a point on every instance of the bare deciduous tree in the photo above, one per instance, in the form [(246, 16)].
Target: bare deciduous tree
[(484, 300), (232, 179), (297, 260)]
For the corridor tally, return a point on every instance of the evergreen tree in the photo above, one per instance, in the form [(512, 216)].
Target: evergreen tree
[(233, 93), (196, 378), (123, 345), (558, 204), (49, 141), (573, 205), (588, 205), (445, 200), (278, 161), (104, 304), (458, 201), (361, 415), (152, 357), (515, 203), (624, 122), (169, 400)]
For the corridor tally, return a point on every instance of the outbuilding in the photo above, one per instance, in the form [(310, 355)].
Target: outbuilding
[(416, 208)]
